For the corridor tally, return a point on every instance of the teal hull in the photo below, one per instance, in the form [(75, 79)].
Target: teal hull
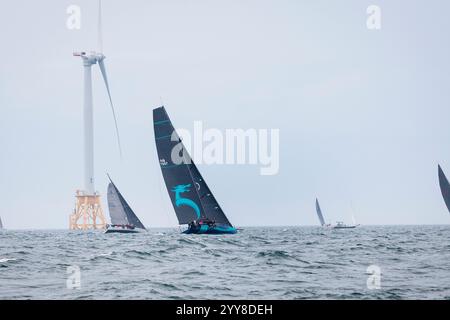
[(205, 229)]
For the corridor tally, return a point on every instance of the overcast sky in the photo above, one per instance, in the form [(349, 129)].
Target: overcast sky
[(363, 114)]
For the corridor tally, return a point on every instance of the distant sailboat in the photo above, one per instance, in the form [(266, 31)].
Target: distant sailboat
[(445, 187), (1, 224), (342, 225), (123, 219), (319, 214), (192, 200), (353, 220), (338, 225)]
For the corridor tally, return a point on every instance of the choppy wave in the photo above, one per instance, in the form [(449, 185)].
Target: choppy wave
[(256, 263)]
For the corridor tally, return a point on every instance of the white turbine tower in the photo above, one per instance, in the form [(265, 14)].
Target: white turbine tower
[(88, 205)]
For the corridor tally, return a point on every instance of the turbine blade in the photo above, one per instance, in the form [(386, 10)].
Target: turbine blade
[(101, 64), (99, 27)]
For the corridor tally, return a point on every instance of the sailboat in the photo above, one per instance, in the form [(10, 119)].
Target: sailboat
[(338, 225), (445, 187), (192, 200), (1, 224), (123, 219), (320, 215)]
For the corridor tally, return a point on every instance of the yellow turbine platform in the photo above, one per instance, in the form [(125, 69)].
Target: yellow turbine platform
[(88, 213)]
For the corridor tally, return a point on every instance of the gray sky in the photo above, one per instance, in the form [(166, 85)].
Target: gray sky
[(363, 115)]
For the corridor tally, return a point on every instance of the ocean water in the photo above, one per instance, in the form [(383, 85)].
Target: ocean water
[(257, 263)]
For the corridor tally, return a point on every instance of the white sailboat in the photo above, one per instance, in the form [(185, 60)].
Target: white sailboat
[(338, 225)]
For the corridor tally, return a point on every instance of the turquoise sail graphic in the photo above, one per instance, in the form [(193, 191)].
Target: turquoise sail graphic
[(180, 201)]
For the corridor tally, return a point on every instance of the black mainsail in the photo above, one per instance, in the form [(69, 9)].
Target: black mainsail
[(445, 187), (210, 205), (319, 213), (190, 195), (1, 224), (119, 210)]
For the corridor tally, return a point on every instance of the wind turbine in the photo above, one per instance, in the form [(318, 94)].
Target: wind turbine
[(88, 205)]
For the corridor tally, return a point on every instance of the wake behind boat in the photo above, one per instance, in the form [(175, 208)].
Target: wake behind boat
[(192, 200), (338, 225), (123, 219)]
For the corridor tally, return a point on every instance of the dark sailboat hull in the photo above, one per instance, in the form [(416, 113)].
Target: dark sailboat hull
[(121, 230), (204, 229)]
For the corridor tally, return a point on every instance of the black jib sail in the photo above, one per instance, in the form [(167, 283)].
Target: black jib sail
[(319, 213), (119, 210), (445, 187), (190, 195), (209, 203)]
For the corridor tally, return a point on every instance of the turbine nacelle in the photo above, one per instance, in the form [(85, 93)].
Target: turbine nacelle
[(91, 57)]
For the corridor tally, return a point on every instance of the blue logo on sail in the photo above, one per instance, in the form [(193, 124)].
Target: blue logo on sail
[(180, 201)]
